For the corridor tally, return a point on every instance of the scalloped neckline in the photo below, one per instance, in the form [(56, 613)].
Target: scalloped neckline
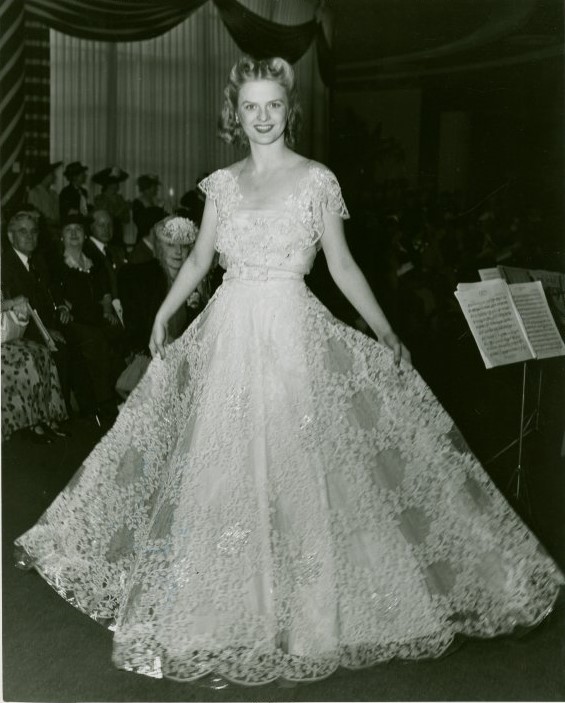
[(285, 201)]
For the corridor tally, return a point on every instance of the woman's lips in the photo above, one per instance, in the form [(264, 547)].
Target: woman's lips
[(263, 128)]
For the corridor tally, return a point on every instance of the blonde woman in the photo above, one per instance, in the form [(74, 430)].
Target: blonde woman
[(282, 495)]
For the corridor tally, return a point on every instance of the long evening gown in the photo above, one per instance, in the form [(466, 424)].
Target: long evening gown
[(276, 499)]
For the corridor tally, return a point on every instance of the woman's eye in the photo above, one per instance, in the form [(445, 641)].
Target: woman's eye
[(275, 104), (249, 107)]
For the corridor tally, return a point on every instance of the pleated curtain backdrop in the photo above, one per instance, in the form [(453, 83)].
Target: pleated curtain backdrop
[(153, 106)]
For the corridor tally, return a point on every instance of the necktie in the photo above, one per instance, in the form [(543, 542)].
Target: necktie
[(109, 258), (32, 270)]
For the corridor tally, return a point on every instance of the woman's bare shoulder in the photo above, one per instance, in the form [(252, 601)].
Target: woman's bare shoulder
[(235, 168)]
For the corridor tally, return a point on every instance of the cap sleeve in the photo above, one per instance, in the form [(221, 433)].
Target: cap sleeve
[(329, 193), (221, 187), (211, 185)]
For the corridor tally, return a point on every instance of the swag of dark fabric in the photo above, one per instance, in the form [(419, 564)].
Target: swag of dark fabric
[(133, 20)]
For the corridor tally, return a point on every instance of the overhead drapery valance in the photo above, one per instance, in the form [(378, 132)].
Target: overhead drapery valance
[(112, 20), (136, 20)]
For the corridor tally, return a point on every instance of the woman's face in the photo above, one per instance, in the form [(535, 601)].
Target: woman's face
[(73, 236), (262, 109), (173, 255), (152, 192)]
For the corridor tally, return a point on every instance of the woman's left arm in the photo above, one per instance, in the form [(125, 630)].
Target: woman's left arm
[(353, 284)]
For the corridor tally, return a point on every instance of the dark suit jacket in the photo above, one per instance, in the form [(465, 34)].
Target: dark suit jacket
[(69, 199), (36, 286), (142, 288), (141, 253), (111, 262)]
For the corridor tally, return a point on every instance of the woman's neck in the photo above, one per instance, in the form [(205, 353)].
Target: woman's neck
[(74, 252), (264, 159)]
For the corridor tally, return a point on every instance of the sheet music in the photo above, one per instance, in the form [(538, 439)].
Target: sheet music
[(44, 332), (496, 326), (549, 279), (553, 283), (541, 329), (489, 274), (512, 274)]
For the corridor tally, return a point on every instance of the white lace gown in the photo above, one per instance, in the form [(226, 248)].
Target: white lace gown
[(275, 499)]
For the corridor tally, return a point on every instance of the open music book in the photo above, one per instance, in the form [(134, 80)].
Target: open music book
[(553, 283), (510, 323), (43, 331)]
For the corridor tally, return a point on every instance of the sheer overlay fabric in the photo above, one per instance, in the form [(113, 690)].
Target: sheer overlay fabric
[(277, 499)]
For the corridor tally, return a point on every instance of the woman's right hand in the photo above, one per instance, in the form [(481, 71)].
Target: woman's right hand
[(158, 339)]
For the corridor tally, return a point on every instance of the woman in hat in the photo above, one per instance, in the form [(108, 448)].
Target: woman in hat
[(93, 329), (148, 185), (111, 200), (143, 286), (73, 199)]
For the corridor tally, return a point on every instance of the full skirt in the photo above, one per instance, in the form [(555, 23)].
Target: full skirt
[(277, 499)]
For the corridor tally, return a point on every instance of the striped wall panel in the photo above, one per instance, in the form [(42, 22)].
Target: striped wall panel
[(12, 100), (36, 88)]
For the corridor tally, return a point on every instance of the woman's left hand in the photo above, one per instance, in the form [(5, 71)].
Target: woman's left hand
[(400, 352)]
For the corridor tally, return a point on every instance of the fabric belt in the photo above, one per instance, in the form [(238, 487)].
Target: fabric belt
[(246, 272)]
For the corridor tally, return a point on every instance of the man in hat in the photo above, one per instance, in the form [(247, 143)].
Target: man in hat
[(148, 185), (73, 199), (111, 200)]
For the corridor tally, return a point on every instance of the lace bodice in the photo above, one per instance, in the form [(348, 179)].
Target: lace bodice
[(282, 240)]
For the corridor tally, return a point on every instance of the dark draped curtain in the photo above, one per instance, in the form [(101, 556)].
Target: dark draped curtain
[(135, 20), (261, 38), (113, 20)]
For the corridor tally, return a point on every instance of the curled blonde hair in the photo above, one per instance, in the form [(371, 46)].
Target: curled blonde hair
[(248, 69)]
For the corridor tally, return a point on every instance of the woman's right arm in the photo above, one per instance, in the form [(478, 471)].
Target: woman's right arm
[(191, 273)]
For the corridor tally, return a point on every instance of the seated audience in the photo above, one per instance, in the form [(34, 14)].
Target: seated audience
[(32, 399), (148, 185), (111, 200), (73, 199)]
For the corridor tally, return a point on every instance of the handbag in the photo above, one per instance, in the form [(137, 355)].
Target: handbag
[(131, 375), (12, 327)]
